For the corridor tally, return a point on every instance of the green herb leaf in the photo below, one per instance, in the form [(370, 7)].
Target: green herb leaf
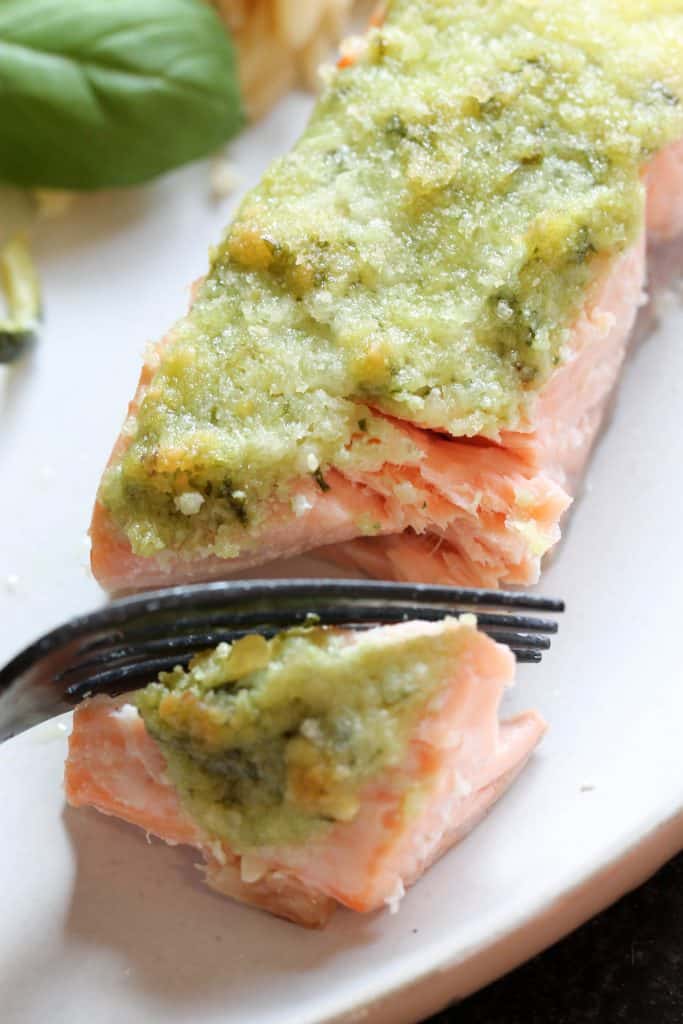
[(97, 93), (20, 284), (320, 480)]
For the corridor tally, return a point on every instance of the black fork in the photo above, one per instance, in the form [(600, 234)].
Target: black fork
[(132, 639)]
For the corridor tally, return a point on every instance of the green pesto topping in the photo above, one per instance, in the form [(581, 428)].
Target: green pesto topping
[(272, 741), (422, 251)]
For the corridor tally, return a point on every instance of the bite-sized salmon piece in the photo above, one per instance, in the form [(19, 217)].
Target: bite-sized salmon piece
[(383, 367), (370, 821)]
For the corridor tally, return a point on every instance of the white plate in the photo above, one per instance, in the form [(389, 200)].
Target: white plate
[(94, 924)]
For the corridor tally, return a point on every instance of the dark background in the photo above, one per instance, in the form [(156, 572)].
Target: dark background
[(624, 966)]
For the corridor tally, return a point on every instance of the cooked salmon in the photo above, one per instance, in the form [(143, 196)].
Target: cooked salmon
[(455, 762), (477, 506)]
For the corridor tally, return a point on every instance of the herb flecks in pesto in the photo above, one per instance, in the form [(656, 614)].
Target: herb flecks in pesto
[(272, 741), (421, 251)]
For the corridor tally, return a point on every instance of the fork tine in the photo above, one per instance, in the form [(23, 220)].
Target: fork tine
[(515, 640), (117, 679), (262, 593), (178, 644), (184, 646), (336, 614), (243, 604), (121, 676), (500, 620), (495, 624), (200, 641), (527, 656)]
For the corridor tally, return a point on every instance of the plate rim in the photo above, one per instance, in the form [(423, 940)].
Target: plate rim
[(558, 916)]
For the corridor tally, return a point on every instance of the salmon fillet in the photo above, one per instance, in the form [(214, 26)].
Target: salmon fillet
[(477, 510), (476, 513), (458, 755)]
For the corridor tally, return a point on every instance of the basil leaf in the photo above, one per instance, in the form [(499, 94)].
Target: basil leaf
[(96, 93)]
